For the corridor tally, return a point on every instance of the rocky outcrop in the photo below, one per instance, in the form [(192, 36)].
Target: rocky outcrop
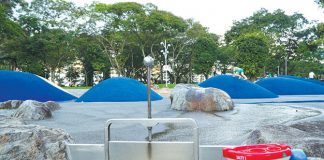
[(192, 98), (312, 144), (10, 121), (53, 106), (31, 142), (12, 104), (32, 110)]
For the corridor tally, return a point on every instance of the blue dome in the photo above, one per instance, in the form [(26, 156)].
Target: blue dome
[(237, 88), (118, 90), (26, 86), (291, 86), (305, 79)]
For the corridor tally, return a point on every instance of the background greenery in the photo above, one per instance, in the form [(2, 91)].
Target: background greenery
[(45, 36)]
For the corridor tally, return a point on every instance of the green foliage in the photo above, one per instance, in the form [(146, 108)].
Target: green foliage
[(205, 51), (252, 52), (50, 35), (320, 3)]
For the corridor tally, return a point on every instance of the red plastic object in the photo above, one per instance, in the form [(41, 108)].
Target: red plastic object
[(258, 152)]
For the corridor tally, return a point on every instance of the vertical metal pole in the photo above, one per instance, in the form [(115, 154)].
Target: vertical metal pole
[(149, 111), (278, 70), (286, 65), (166, 72)]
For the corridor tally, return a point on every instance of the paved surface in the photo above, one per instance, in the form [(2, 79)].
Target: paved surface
[(86, 121)]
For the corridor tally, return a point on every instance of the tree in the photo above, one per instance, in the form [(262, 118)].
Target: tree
[(132, 29), (320, 3), (286, 31), (205, 51), (252, 53)]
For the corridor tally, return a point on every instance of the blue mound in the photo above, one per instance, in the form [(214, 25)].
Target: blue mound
[(304, 79), (26, 86), (291, 86), (118, 90), (237, 88)]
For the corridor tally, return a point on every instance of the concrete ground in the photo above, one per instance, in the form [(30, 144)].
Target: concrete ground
[(86, 121)]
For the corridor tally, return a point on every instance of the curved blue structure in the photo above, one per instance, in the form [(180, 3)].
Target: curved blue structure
[(291, 86), (305, 79), (118, 90), (237, 88), (26, 86)]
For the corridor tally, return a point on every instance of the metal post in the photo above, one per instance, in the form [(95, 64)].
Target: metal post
[(148, 62), (149, 115), (149, 110), (165, 54), (278, 70)]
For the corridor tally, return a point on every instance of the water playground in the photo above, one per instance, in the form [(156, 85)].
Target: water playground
[(108, 121)]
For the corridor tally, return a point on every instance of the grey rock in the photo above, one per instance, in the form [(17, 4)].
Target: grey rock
[(192, 98), (32, 110), (10, 121), (53, 106), (32, 142), (12, 104), (312, 144)]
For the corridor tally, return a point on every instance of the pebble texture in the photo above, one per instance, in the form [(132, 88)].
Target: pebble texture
[(312, 144)]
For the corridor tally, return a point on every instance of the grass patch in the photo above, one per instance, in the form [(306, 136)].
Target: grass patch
[(169, 85), (85, 87)]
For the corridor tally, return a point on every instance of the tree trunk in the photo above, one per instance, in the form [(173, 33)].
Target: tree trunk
[(106, 73), (88, 75), (52, 75)]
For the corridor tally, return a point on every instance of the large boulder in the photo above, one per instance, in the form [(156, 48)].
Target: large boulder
[(191, 98), (31, 142), (32, 110), (12, 104), (312, 144), (53, 106), (10, 121)]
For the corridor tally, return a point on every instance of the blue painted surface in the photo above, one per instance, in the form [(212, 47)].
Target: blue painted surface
[(118, 90), (291, 86), (237, 88), (26, 86), (298, 154), (305, 79)]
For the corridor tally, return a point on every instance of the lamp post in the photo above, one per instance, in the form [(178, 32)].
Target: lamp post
[(165, 53), (149, 62)]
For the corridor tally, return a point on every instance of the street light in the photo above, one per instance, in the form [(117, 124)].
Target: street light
[(165, 53), (149, 62)]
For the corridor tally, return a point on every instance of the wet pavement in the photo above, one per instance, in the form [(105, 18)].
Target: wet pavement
[(86, 121)]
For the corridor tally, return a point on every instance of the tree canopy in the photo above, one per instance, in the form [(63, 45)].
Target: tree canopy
[(47, 37)]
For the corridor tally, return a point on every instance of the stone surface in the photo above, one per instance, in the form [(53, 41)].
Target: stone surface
[(53, 106), (10, 121), (311, 143), (192, 98), (31, 142), (12, 104), (32, 110)]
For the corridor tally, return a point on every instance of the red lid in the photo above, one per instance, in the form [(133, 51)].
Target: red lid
[(258, 152)]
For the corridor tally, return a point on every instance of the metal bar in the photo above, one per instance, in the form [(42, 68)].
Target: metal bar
[(149, 114), (150, 123)]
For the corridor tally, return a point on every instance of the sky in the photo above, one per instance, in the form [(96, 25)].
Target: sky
[(218, 15)]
